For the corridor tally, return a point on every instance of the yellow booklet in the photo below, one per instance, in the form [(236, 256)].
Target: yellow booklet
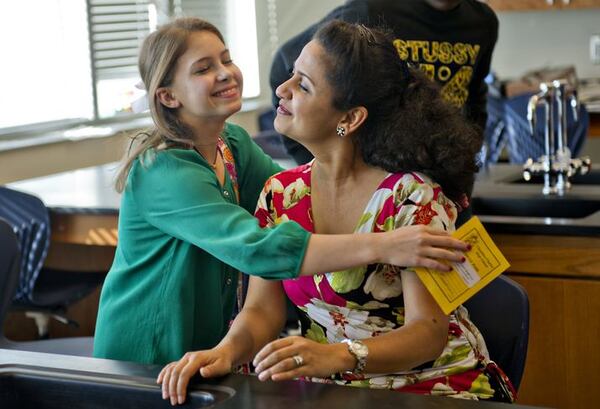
[(483, 263)]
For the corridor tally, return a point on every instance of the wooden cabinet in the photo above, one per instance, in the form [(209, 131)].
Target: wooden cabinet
[(562, 279), (594, 131), (515, 5)]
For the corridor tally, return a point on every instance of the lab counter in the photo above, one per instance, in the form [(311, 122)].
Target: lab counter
[(40, 381)]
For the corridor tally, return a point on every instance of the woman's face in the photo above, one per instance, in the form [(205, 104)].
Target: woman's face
[(207, 84), (305, 111)]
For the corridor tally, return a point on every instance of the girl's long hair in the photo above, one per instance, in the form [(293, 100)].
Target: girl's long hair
[(157, 62)]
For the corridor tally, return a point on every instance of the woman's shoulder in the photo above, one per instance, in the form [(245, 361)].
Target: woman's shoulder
[(421, 198), (416, 187), (397, 181)]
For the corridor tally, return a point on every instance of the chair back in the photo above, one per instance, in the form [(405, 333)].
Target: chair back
[(9, 268), (29, 218), (501, 312), (9, 278)]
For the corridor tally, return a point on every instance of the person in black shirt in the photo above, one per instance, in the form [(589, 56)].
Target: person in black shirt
[(450, 40)]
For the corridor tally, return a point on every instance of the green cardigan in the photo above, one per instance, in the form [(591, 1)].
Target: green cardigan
[(182, 240)]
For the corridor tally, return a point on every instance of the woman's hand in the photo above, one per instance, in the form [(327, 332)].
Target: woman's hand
[(292, 357), (421, 246), (176, 375)]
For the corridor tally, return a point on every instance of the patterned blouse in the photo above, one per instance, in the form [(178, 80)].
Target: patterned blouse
[(367, 301)]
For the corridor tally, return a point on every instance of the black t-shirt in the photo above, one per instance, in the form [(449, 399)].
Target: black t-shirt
[(453, 47)]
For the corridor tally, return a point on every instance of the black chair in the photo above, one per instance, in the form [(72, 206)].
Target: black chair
[(501, 312), (42, 293), (9, 279)]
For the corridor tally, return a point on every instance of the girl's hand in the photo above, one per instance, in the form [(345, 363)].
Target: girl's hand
[(176, 375), (292, 357), (421, 246)]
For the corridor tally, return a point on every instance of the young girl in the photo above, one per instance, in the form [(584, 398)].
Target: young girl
[(389, 152), (184, 226)]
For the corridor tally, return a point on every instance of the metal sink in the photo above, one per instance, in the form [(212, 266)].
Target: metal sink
[(505, 203), (570, 208), (590, 178), (36, 388)]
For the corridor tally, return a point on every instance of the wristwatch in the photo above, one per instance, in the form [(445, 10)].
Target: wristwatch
[(360, 351)]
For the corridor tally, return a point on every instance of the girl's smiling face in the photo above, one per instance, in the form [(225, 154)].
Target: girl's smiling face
[(207, 84)]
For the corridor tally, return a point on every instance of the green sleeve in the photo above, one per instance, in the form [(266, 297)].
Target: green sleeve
[(181, 197), (253, 165)]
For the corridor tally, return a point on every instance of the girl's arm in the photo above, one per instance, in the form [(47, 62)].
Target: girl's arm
[(406, 246), (260, 321), (181, 198), (412, 246)]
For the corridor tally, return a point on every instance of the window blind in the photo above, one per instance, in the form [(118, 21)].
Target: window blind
[(116, 30)]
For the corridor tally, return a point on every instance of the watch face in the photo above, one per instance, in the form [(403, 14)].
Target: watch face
[(360, 349)]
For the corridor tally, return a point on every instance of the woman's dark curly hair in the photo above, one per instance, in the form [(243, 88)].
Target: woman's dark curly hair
[(409, 126)]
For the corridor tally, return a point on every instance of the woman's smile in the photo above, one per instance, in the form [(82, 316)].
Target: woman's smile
[(281, 110)]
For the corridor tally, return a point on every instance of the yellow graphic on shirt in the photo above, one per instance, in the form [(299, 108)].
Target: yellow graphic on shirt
[(438, 60), (456, 90)]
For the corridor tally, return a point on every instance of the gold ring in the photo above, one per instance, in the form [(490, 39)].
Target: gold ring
[(298, 360)]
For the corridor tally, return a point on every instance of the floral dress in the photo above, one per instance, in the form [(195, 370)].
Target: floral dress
[(367, 301)]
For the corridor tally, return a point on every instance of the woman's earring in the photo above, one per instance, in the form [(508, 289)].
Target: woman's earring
[(341, 131)]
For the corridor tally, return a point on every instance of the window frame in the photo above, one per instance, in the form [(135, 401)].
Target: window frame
[(166, 9)]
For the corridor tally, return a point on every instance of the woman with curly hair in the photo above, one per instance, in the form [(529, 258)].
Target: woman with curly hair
[(389, 153)]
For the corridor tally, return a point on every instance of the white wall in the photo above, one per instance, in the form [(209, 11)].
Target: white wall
[(293, 16), (530, 40)]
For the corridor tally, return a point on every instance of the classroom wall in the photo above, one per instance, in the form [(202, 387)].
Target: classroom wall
[(530, 40), (527, 40)]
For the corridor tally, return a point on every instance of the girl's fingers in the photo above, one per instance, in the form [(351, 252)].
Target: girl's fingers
[(216, 368), (183, 380), (440, 254), (165, 381), (432, 264), (161, 375), (174, 379), (447, 242)]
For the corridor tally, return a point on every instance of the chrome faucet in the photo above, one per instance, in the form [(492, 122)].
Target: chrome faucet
[(556, 163)]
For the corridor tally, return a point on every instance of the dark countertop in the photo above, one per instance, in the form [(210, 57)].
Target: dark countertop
[(19, 367), (90, 191), (494, 183)]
